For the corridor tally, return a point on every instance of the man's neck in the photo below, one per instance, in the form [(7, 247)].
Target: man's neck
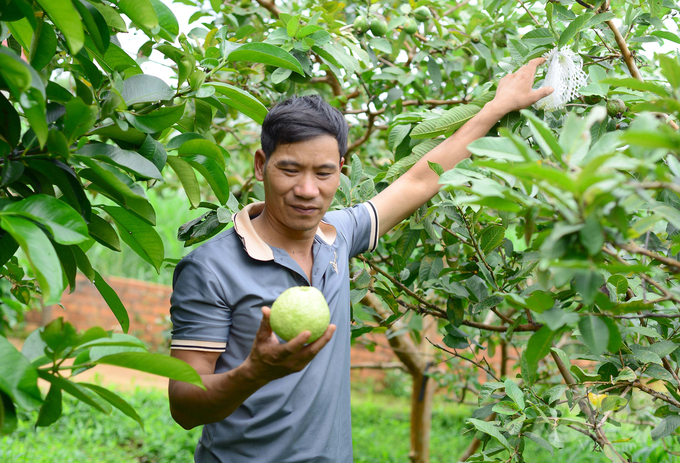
[(297, 243)]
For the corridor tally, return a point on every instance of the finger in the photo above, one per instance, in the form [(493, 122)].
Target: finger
[(536, 62), (296, 344), (543, 92), (265, 330), (313, 348)]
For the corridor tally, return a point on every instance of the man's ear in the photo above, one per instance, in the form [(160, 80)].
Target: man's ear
[(342, 162), (259, 164)]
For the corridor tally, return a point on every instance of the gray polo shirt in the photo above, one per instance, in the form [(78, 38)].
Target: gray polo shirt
[(219, 290)]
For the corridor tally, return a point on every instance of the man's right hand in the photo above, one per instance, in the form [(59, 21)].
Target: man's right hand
[(269, 359)]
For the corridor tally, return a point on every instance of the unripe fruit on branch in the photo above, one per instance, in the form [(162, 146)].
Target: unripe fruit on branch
[(378, 27), (616, 108), (422, 13), (410, 26), (360, 24)]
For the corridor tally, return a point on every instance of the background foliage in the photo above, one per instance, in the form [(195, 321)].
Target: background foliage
[(557, 243)]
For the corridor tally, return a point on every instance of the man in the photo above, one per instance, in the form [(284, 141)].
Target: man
[(267, 401)]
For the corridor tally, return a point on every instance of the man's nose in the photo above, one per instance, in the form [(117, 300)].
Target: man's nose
[(307, 187)]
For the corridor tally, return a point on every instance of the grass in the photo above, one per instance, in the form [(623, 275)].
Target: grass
[(380, 434)]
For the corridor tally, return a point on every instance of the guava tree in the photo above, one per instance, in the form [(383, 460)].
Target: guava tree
[(557, 242)]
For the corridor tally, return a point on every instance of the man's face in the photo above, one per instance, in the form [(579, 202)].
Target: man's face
[(300, 180)]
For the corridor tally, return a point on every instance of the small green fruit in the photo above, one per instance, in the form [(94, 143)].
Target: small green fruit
[(592, 99), (298, 309), (422, 14), (475, 39), (500, 39), (616, 107), (360, 24), (378, 27), (410, 26)]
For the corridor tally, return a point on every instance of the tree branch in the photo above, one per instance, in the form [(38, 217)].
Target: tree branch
[(269, 5)]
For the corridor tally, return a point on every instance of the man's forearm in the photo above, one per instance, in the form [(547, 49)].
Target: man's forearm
[(420, 183), (225, 392)]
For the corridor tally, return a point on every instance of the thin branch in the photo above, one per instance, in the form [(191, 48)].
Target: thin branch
[(378, 366), (410, 103), (457, 355), (356, 143), (627, 57), (530, 14), (634, 248), (656, 394), (269, 5)]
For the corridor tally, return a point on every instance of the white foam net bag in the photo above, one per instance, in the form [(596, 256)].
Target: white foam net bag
[(565, 74)]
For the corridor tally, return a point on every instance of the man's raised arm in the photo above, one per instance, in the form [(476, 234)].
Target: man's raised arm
[(419, 184)]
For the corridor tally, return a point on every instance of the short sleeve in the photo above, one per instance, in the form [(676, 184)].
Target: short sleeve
[(200, 317), (359, 226)]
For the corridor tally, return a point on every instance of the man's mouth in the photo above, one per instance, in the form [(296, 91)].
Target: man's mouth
[(306, 210)]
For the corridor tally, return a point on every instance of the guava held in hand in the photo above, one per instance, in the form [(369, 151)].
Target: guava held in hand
[(298, 309)]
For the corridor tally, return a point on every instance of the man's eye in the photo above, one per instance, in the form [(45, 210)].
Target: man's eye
[(324, 174), (290, 171)]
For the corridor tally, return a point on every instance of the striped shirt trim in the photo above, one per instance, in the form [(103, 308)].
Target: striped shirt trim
[(206, 346), (375, 226)]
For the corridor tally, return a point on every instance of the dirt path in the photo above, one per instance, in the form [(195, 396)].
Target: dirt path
[(109, 375)]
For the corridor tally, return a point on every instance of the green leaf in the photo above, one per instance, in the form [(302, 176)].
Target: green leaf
[(139, 235), (115, 400), (156, 364), (666, 427), (574, 28), (515, 393), (128, 160), (95, 24), (491, 237), (670, 69), (22, 32), (40, 253), (43, 47), (113, 301), (619, 282), (10, 124), (76, 390), (634, 84), (117, 187), (141, 12), (538, 347), (490, 429), (451, 121), (167, 20), (588, 283), (144, 88), (8, 415), (595, 333), (18, 378), (592, 236), (103, 233), (540, 441), (15, 72), (543, 135), (496, 148), (154, 152), (51, 409), (613, 403), (131, 135), (266, 54), (156, 121), (211, 171), (79, 119), (112, 17), (202, 147), (241, 101), (540, 301), (666, 35), (64, 15), (187, 176), (506, 407)]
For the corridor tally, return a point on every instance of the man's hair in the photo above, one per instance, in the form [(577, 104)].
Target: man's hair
[(302, 118)]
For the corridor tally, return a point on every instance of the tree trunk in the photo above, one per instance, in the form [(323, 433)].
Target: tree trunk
[(414, 359)]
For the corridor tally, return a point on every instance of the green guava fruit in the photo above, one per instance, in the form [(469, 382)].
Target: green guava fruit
[(422, 13), (616, 107), (298, 309), (410, 26), (360, 24), (378, 27), (592, 99)]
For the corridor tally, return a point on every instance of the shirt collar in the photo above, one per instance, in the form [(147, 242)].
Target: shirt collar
[(256, 246)]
